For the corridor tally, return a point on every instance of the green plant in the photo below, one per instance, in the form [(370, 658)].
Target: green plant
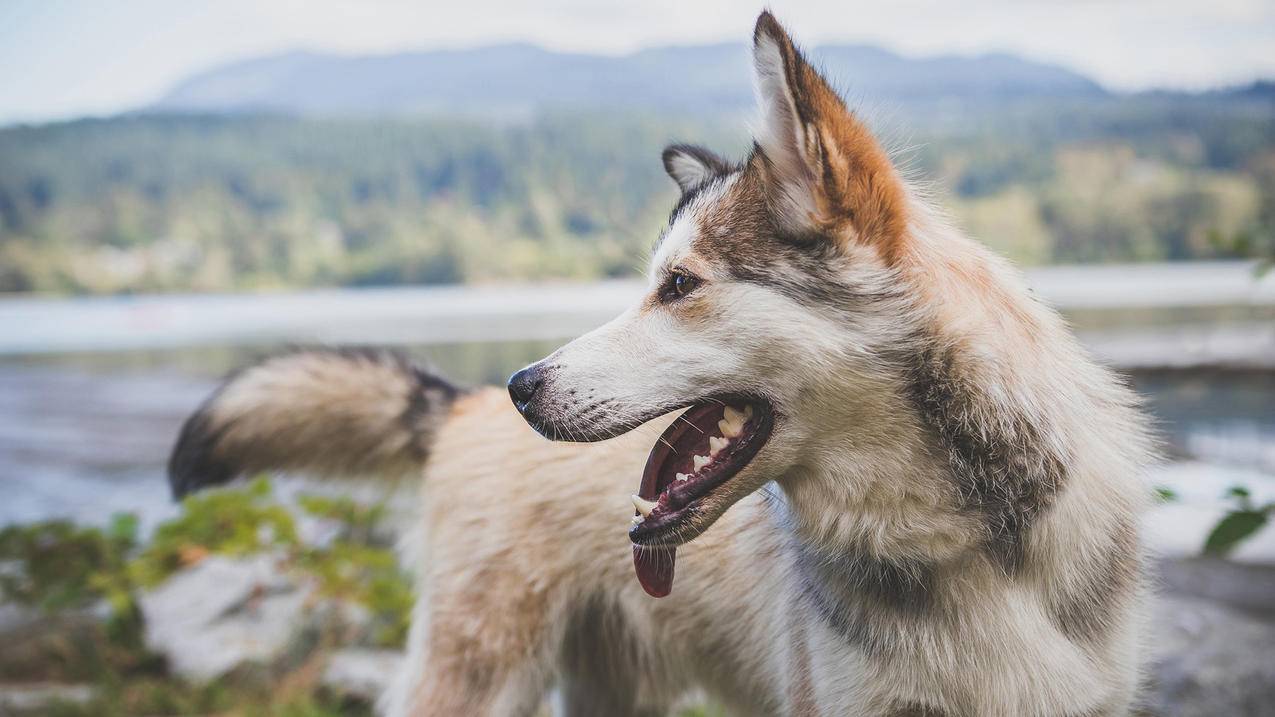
[(1239, 524), (236, 522), (357, 521), (352, 567), (58, 566), (228, 522)]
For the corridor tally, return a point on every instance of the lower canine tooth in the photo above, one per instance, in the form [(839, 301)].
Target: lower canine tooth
[(700, 462), (715, 445), (643, 505), (637, 520)]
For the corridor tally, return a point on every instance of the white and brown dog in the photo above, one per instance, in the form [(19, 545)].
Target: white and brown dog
[(896, 486)]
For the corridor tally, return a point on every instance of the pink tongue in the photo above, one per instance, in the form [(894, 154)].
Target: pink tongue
[(654, 568)]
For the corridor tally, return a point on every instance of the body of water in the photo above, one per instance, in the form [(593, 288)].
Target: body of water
[(93, 391)]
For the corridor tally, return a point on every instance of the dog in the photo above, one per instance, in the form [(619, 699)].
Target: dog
[(871, 473)]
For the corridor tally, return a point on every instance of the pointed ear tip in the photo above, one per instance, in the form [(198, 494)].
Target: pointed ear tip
[(670, 153), (767, 27)]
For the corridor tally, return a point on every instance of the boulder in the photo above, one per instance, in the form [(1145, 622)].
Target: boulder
[(362, 674), (224, 612), (38, 698)]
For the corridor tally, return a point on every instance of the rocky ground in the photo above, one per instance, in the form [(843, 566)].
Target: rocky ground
[(1213, 638)]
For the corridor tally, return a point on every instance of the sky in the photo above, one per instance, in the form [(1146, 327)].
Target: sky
[(67, 58)]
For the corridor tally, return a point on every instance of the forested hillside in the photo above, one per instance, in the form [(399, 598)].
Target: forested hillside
[(162, 203)]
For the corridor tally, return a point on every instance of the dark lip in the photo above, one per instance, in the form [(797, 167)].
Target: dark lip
[(554, 432), (677, 504)]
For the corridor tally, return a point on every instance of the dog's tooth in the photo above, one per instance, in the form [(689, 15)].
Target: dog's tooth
[(637, 520), (700, 462), (728, 429), (734, 416), (748, 411), (643, 505), (683, 476), (716, 444)]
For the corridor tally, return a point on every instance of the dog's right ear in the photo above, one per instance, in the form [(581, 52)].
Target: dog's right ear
[(691, 166)]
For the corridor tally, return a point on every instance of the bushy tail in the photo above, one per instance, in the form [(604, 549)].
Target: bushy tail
[(332, 412)]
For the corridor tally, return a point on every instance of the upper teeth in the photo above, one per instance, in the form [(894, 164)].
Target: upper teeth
[(643, 505), (732, 423)]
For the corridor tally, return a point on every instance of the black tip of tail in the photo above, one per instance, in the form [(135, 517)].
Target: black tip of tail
[(194, 464)]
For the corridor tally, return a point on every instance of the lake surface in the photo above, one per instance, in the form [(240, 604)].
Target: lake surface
[(1097, 296), (87, 421), (87, 435)]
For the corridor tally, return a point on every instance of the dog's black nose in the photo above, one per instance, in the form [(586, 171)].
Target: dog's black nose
[(524, 384)]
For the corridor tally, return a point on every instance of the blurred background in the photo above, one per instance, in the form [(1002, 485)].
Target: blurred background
[(186, 186)]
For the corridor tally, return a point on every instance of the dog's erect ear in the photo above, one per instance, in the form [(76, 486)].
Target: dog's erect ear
[(691, 166), (824, 170)]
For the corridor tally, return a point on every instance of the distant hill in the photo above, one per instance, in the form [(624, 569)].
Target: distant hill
[(517, 78), (307, 170)]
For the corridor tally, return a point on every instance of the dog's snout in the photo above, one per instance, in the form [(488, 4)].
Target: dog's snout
[(524, 384)]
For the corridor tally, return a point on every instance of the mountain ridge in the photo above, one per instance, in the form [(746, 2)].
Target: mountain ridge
[(525, 77)]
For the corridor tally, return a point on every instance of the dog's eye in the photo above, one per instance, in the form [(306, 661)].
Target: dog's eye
[(679, 284)]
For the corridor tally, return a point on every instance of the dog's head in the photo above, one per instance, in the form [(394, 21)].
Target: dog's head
[(772, 281)]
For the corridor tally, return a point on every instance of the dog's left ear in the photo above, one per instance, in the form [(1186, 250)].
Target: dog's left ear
[(825, 172), (691, 166)]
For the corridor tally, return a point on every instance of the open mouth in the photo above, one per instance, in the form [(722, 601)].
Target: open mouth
[(701, 451)]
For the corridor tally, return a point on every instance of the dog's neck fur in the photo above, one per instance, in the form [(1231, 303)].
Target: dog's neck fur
[(950, 468)]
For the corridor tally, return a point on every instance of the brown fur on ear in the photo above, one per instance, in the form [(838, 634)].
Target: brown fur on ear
[(825, 170)]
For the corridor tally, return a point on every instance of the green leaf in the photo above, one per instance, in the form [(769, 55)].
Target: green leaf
[(1165, 495), (1232, 530), (1238, 491), (123, 528)]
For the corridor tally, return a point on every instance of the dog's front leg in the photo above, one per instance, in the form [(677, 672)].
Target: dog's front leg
[(473, 690), (438, 685), (585, 694), (472, 653)]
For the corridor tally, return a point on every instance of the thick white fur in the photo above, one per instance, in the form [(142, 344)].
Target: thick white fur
[(522, 535), (546, 522), (882, 365)]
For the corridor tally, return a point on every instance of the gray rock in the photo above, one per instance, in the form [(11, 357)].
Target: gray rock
[(1249, 587), (37, 698), (223, 612), (1210, 659), (364, 674)]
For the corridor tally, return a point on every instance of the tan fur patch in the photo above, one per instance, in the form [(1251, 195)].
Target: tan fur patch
[(858, 193)]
